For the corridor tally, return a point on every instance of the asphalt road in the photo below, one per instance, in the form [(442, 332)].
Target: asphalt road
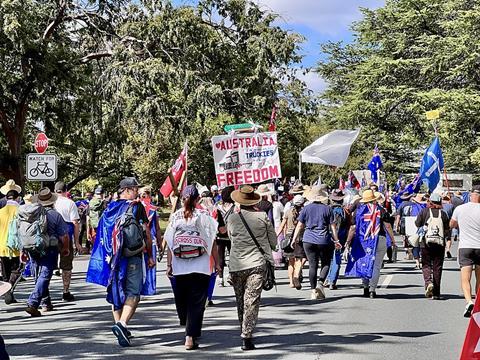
[(399, 324)]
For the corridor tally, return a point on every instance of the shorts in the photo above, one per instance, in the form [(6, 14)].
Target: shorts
[(299, 251), (134, 279), (66, 262), (468, 257)]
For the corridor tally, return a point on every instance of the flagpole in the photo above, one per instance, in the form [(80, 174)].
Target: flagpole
[(300, 167), (186, 162)]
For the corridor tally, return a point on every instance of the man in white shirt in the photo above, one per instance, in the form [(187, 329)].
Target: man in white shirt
[(466, 218), (69, 212)]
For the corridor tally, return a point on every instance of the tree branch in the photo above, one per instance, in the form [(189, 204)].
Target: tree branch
[(57, 21), (94, 56)]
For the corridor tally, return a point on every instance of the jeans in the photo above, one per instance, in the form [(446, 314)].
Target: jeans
[(377, 266), (316, 252), (335, 265), (432, 266), (190, 293), (43, 271)]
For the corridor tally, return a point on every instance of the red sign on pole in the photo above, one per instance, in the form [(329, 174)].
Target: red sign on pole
[(41, 143)]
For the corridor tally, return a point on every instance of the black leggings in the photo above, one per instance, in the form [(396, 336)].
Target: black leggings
[(222, 246), (315, 253)]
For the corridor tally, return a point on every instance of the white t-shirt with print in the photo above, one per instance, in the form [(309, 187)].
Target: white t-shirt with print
[(468, 218), (67, 209)]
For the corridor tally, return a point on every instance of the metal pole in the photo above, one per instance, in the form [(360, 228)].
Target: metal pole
[(300, 167)]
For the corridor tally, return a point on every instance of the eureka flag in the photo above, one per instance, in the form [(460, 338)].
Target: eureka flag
[(364, 245), (432, 165)]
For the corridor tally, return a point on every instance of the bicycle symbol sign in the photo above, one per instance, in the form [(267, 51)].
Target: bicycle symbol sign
[(41, 167)]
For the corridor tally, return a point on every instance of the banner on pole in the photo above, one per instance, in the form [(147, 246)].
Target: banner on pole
[(246, 158)]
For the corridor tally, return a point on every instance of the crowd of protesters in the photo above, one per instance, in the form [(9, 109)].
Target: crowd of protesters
[(244, 230)]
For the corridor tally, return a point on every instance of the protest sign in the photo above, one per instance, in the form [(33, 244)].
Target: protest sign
[(246, 158)]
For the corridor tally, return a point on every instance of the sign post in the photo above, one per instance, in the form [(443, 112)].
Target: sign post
[(41, 167)]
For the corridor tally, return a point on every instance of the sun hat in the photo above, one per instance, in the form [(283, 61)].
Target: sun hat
[(297, 189), (264, 190), (246, 195), (45, 197), (379, 196), (298, 200), (368, 196), (129, 182), (337, 195), (10, 186), (316, 194), (4, 287)]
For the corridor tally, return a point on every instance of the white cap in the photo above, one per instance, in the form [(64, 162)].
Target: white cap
[(214, 188), (298, 200)]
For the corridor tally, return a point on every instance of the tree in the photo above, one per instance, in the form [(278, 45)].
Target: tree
[(407, 58)]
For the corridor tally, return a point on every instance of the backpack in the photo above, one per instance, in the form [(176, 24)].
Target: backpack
[(95, 211), (13, 240), (32, 229), (132, 232), (434, 233)]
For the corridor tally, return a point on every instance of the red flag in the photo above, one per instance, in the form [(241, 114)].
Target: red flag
[(354, 184), (341, 184), (177, 171), (272, 124), (471, 346)]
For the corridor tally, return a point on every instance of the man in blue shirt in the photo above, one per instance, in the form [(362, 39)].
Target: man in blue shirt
[(318, 221), (44, 266)]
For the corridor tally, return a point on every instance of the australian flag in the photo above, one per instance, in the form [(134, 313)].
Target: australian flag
[(375, 164), (432, 165), (364, 245), (412, 188)]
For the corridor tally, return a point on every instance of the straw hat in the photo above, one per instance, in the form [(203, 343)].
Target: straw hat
[(316, 194), (368, 196), (297, 189), (380, 197), (264, 190), (10, 186), (246, 195), (45, 197)]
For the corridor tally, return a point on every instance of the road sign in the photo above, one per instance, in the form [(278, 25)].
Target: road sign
[(41, 143), (41, 167)]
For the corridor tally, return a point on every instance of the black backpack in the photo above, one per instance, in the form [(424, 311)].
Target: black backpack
[(132, 232)]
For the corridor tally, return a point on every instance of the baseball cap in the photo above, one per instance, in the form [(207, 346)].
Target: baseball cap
[(60, 187), (98, 190), (476, 189), (214, 188), (128, 182)]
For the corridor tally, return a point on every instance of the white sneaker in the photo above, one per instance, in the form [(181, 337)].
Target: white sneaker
[(314, 295), (429, 291), (468, 310), (320, 292)]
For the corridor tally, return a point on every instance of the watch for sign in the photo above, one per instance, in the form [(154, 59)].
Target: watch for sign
[(41, 143)]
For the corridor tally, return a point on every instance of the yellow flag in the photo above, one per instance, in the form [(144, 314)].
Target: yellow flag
[(433, 114)]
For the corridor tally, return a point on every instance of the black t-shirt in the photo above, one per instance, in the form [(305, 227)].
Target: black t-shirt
[(424, 215), (140, 213)]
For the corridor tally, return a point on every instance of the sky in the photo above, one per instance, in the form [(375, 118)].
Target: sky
[(319, 21)]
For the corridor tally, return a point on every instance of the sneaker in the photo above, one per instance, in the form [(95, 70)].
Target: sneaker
[(449, 255), (297, 283), (121, 333), (333, 287), (247, 344), (429, 291), (321, 292), (468, 310), (372, 294), (33, 311), (68, 297), (314, 295), (366, 293)]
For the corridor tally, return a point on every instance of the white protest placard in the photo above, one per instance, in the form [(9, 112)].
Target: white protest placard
[(246, 158), (41, 167)]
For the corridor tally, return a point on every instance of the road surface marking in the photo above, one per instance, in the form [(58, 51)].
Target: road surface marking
[(387, 281)]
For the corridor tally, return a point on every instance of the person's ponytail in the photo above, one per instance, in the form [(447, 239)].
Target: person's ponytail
[(188, 207)]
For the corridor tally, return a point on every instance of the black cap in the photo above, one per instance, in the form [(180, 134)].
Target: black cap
[(476, 189), (60, 187), (128, 182)]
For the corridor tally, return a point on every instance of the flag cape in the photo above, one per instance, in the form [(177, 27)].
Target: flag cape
[(364, 245), (149, 287), (471, 345), (107, 267)]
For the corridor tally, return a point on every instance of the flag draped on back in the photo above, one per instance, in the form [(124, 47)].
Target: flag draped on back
[(352, 181), (107, 267), (375, 164), (432, 165), (177, 171), (364, 245), (471, 346)]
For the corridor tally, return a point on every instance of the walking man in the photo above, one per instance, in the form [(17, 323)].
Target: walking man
[(466, 218)]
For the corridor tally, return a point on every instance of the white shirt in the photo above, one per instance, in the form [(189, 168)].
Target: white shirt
[(67, 209), (207, 226), (277, 214), (468, 218), (287, 207)]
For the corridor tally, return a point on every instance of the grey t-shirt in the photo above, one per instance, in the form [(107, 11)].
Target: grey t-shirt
[(468, 218)]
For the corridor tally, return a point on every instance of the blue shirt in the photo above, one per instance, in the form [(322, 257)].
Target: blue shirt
[(317, 219), (56, 226)]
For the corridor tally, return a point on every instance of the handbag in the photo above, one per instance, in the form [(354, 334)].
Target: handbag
[(286, 243), (269, 277), (415, 239)]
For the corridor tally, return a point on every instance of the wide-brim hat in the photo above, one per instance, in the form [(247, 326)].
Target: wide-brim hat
[(380, 197), (10, 186), (368, 196), (264, 190), (316, 194), (45, 197), (246, 196), (4, 287), (297, 189), (419, 198), (337, 195)]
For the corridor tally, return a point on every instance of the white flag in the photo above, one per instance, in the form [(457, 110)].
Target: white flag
[(331, 149)]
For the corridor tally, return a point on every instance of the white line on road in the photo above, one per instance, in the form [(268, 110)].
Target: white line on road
[(387, 281)]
